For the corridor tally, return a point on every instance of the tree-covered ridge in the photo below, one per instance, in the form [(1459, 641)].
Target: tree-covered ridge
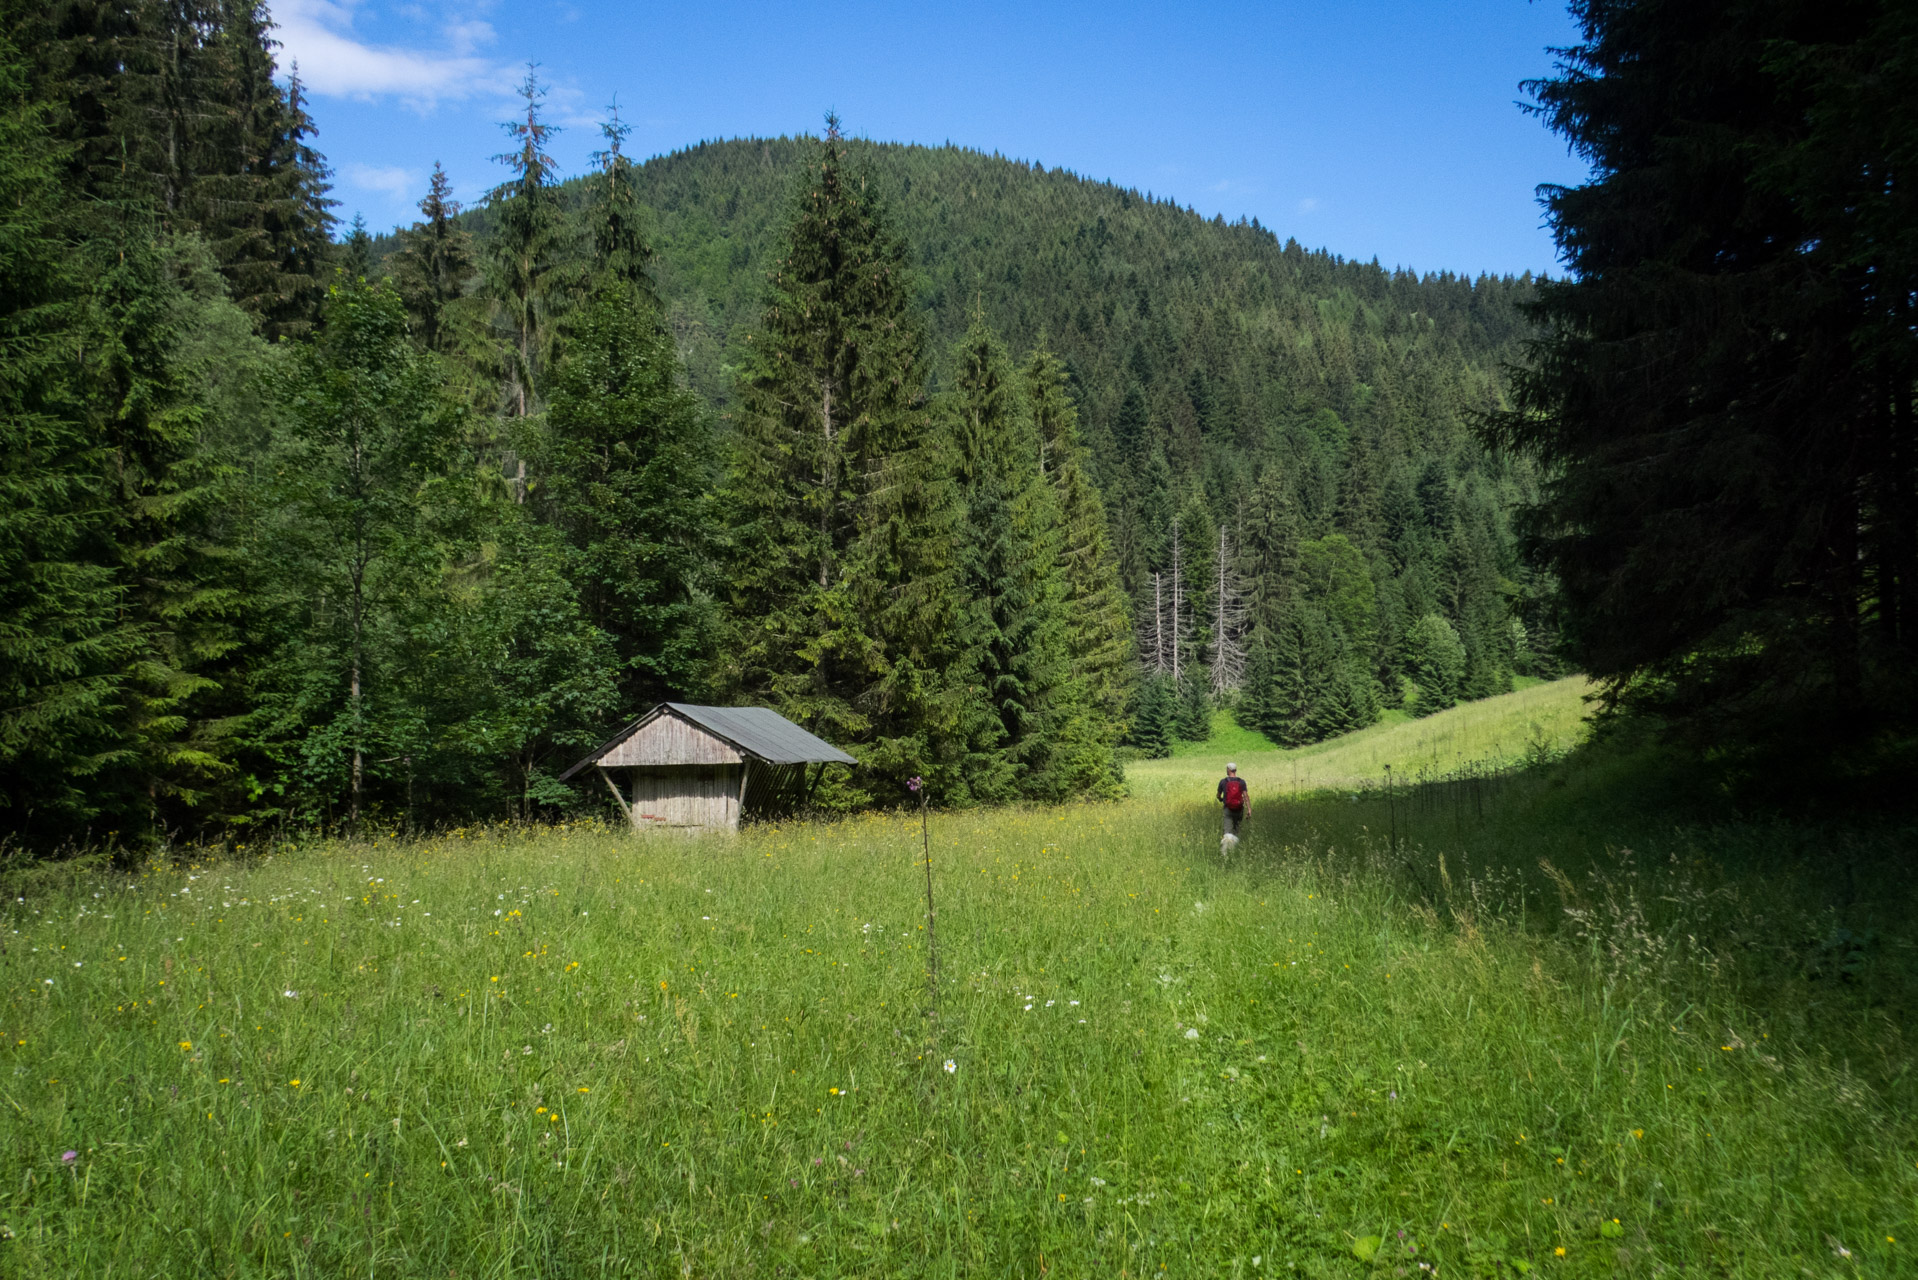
[(1238, 395)]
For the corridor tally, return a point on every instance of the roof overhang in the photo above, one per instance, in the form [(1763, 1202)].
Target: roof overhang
[(758, 732)]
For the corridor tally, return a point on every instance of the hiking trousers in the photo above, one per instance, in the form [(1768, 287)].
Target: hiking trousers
[(1233, 817)]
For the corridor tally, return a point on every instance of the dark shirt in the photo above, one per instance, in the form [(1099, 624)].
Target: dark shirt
[(1245, 796)]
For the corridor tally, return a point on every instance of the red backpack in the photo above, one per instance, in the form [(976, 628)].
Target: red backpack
[(1235, 793)]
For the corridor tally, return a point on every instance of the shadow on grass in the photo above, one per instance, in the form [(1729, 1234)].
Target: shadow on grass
[(1644, 865)]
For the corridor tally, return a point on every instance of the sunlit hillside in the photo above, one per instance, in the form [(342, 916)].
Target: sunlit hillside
[(1542, 719)]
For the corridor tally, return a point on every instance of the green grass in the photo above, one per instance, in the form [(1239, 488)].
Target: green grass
[(714, 1057), (1547, 717)]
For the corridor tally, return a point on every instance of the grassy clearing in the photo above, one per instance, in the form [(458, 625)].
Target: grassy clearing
[(1539, 719), (569, 1052)]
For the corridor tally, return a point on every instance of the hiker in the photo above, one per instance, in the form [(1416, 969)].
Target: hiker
[(1232, 794)]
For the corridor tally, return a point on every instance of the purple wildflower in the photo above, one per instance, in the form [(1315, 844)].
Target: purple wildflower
[(914, 783), (68, 1157)]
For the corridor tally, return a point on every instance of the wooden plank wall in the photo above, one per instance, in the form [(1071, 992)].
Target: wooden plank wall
[(668, 740), (700, 795)]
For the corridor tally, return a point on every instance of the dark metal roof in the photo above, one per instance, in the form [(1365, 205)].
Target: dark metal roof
[(763, 732), (759, 732)]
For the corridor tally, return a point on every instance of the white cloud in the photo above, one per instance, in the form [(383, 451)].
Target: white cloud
[(388, 179), (1308, 204), (318, 35)]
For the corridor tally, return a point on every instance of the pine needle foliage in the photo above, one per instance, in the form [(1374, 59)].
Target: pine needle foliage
[(841, 576), (626, 476), (1098, 624), (615, 218), (524, 264), (65, 637), (432, 265), (1724, 399)]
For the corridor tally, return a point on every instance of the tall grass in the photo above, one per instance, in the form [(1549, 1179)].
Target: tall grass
[(1544, 719), (575, 1052)]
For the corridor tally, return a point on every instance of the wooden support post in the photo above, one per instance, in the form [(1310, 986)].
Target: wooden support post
[(625, 807), (745, 772)]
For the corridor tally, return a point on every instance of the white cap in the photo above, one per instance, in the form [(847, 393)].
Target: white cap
[(1232, 768)]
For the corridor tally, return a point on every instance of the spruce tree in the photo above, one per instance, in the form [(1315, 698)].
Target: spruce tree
[(258, 192), (1197, 545), (1010, 624), (614, 216), (174, 107), (623, 455), (65, 635), (431, 267), (1435, 659), (523, 262), (1155, 715), (1253, 707), (1099, 644), (1305, 683), (296, 219), (1195, 708), (1131, 432), (1271, 554), (843, 602), (1019, 618), (1723, 399), (995, 626), (1303, 667), (356, 251)]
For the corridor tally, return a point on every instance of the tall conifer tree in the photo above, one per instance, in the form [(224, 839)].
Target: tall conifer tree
[(1726, 398), (523, 262), (65, 636), (614, 216), (843, 600), (623, 454), (432, 266), (1098, 623)]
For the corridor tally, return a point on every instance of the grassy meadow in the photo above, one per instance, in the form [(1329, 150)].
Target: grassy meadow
[(1563, 1022)]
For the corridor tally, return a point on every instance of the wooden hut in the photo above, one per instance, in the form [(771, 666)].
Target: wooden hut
[(707, 767)]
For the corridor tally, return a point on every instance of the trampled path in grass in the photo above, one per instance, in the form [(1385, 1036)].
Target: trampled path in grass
[(574, 1052)]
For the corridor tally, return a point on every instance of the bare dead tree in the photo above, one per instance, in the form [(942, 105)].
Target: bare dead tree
[(1178, 599), (1153, 652), (1228, 621)]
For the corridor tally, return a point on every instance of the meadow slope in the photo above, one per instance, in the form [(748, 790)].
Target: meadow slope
[(568, 1052)]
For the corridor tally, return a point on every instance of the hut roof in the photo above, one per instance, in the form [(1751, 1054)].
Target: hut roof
[(759, 732)]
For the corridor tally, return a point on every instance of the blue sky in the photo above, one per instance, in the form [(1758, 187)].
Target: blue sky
[(1385, 128)]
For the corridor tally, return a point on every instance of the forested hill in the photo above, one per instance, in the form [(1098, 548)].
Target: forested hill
[(1226, 379), (1222, 325)]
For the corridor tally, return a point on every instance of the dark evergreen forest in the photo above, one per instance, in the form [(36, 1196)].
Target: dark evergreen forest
[(976, 468)]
